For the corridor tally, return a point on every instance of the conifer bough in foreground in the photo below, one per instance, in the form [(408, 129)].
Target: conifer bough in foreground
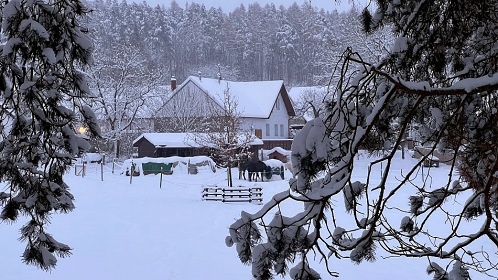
[(42, 86), (441, 77)]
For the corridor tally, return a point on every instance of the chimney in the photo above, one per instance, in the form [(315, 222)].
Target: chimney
[(173, 83)]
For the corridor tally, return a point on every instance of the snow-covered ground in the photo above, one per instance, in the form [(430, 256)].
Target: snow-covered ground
[(140, 231)]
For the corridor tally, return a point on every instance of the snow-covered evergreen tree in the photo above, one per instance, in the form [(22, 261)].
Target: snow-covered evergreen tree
[(42, 87), (441, 70)]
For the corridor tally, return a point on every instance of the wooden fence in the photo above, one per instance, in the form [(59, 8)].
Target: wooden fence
[(233, 194)]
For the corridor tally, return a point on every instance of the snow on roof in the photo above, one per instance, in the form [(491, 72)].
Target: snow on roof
[(178, 140), (277, 149), (255, 99)]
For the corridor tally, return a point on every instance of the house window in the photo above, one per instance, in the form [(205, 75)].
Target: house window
[(282, 130), (277, 104), (276, 130), (267, 129)]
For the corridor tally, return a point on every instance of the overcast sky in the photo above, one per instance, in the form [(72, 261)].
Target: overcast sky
[(230, 5)]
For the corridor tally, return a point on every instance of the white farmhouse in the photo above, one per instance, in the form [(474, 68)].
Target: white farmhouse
[(263, 106)]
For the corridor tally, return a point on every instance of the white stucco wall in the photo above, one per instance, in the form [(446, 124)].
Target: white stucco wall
[(278, 117)]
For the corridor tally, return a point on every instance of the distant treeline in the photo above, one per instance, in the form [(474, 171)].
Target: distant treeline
[(299, 44)]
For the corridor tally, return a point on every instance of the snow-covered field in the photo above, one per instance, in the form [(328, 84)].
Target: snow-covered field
[(140, 231)]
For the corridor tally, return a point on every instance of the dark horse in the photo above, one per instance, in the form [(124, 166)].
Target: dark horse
[(242, 169), (258, 167)]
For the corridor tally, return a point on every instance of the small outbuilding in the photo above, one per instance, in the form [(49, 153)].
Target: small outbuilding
[(277, 153), (166, 145), (175, 144)]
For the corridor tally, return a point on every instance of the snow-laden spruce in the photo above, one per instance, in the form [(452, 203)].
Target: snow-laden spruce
[(43, 90)]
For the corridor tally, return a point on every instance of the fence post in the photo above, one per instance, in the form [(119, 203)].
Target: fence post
[(113, 161), (132, 171), (83, 171), (161, 180), (102, 170)]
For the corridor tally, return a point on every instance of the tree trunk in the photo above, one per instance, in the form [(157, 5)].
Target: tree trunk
[(116, 148), (229, 175)]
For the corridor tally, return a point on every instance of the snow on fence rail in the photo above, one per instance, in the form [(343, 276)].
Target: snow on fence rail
[(189, 165), (233, 194)]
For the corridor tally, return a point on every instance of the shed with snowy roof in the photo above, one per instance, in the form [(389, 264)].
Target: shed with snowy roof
[(263, 106), (175, 144), (277, 153)]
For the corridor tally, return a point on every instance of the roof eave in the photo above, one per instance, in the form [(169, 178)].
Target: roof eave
[(287, 101)]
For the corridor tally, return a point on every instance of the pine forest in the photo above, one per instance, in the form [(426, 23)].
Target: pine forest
[(299, 43)]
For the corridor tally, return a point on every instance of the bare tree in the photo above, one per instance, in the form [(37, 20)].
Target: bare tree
[(224, 135), (442, 69), (313, 102), (121, 83), (185, 111)]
